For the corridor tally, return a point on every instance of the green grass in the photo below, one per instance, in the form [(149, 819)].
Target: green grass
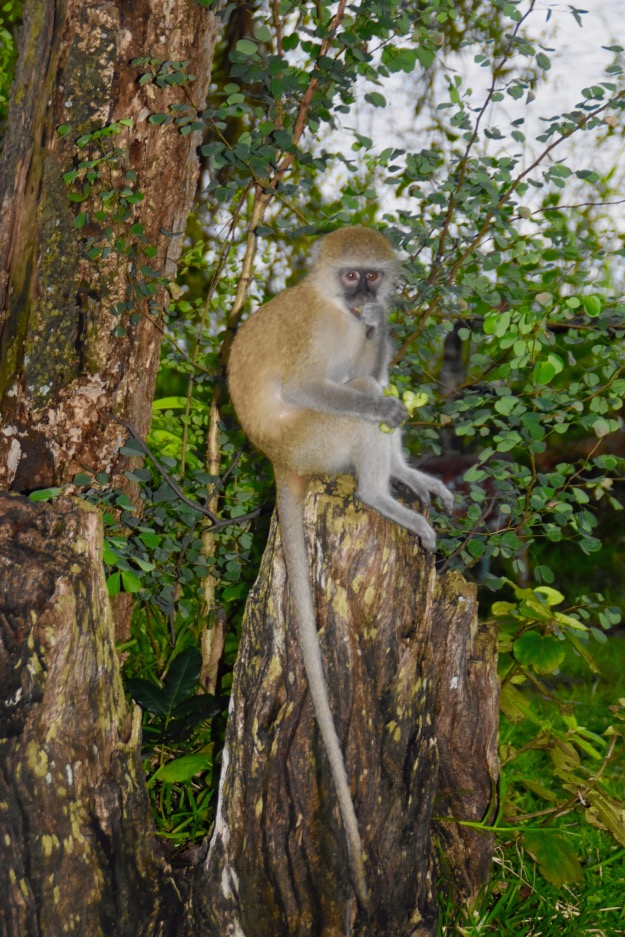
[(519, 901)]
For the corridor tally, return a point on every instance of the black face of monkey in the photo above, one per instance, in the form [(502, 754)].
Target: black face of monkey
[(360, 285)]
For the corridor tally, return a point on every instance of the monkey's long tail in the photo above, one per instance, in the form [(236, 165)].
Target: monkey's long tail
[(291, 490)]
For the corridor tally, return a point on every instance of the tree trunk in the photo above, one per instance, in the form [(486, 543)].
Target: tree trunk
[(77, 853), (414, 694), (466, 720), (65, 364)]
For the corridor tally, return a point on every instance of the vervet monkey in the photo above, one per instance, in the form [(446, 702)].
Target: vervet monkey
[(306, 375)]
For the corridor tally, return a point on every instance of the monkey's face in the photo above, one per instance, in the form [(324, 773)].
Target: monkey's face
[(360, 285)]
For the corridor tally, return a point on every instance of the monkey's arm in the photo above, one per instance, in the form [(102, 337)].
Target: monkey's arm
[(373, 317), (382, 359), (361, 397)]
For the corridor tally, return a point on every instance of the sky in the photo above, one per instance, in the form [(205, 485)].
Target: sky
[(577, 61)]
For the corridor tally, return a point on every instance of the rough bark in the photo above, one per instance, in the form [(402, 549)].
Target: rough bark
[(410, 687), (62, 370), (413, 688), (77, 854), (466, 719)]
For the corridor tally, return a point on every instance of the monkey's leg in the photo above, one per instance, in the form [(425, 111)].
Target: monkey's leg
[(420, 482), (372, 463)]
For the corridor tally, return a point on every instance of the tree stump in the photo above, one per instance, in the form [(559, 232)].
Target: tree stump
[(76, 834), (414, 697)]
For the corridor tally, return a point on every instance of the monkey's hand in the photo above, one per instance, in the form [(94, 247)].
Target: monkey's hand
[(391, 411), (373, 315)]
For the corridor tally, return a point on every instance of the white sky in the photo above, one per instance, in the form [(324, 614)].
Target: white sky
[(577, 61)]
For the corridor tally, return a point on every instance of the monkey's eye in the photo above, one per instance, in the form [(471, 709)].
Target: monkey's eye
[(351, 276), (372, 276)]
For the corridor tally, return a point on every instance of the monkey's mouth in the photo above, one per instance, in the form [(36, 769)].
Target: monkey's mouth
[(356, 311)]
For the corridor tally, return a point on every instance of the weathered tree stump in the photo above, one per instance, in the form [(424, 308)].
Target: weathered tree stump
[(466, 720), (413, 688), (409, 688), (76, 846)]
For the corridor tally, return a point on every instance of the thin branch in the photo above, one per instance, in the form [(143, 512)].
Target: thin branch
[(470, 534), (453, 201), (486, 224), (217, 523), (264, 194), (539, 211), (161, 470)]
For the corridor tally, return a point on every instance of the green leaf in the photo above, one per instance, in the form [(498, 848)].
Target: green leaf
[(505, 405), (181, 769), (570, 621), (514, 704), (607, 813), (148, 695), (592, 305), (583, 652), (145, 565), (132, 447), (503, 323), (542, 652), (555, 855), (151, 540), (130, 581), (169, 403), (399, 60), (109, 556), (543, 61), (545, 371), (113, 584), (183, 676), (425, 56), (375, 98), (201, 707), (552, 595), (246, 47), (44, 494), (499, 609), (508, 441), (565, 757), (601, 427), (475, 474)]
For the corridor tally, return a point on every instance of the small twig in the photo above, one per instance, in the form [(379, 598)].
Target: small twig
[(217, 523), (453, 201), (487, 510), (231, 468), (265, 192), (540, 211), (450, 278), (159, 467)]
